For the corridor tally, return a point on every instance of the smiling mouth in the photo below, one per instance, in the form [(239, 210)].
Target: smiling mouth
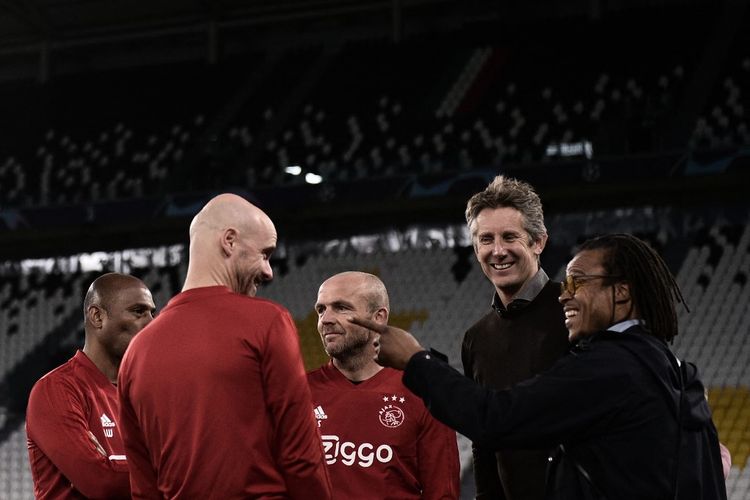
[(501, 267), (570, 316)]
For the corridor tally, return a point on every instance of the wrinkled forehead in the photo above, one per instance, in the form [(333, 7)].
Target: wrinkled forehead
[(347, 288), (498, 219), (586, 262)]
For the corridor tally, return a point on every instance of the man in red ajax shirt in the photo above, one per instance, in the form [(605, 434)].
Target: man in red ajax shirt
[(379, 439), (213, 397), (74, 440)]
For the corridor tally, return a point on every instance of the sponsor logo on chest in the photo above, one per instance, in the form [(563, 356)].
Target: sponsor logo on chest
[(390, 414), (364, 454)]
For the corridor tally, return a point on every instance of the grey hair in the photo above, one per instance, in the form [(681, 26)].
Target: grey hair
[(512, 193)]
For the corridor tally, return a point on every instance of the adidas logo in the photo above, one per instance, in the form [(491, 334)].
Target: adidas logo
[(319, 413), (106, 421), (107, 425)]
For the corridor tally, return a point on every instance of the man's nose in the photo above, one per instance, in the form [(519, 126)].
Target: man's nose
[(326, 317), (267, 271), (498, 248)]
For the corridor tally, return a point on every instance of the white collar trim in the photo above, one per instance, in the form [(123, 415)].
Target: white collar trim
[(624, 325)]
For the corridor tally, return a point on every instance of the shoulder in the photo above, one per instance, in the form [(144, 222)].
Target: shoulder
[(317, 376), (58, 388), (633, 338), (222, 297), (259, 313), (591, 367), (391, 380), (268, 304), (611, 352), (643, 349), (63, 374), (255, 304), (393, 375), (265, 307)]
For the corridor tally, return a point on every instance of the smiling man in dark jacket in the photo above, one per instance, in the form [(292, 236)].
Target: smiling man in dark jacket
[(627, 418)]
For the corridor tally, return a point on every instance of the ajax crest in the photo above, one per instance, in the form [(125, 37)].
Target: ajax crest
[(391, 416)]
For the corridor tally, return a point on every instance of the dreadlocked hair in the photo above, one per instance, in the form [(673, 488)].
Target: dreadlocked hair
[(652, 286)]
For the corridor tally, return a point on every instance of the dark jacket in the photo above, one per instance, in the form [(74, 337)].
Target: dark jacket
[(611, 407)]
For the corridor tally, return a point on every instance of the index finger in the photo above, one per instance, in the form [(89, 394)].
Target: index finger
[(369, 324)]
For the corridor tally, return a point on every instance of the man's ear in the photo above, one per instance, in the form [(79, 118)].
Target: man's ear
[(538, 245), (381, 316), (474, 245), (95, 315), (228, 241), (622, 292)]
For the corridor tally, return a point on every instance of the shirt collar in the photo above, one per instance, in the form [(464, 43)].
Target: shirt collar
[(624, 325), (94, 370), (526, 294)]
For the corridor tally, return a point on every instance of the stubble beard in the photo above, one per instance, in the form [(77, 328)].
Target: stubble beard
[(352, 348)]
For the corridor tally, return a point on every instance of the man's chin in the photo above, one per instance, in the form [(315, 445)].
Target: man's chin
[(576, 335), (330, 349)]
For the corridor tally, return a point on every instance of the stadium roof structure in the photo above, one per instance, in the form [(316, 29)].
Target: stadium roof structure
[(38, 37), (35, 33), (26, 23)]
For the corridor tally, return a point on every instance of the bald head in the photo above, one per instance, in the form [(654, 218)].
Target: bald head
[(227, 210), (231, 242), (365, 285), (105, 289)]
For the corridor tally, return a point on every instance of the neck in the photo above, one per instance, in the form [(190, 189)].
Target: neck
[(200, 279), (108, 366), (623, 311), (357, 368)]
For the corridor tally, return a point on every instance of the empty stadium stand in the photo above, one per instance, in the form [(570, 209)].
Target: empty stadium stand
[(366, 109)]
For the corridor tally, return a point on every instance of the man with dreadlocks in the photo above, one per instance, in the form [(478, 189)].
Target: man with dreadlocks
[(627, 419)]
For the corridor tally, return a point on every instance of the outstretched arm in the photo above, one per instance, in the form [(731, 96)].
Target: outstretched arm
[(538, 413)]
